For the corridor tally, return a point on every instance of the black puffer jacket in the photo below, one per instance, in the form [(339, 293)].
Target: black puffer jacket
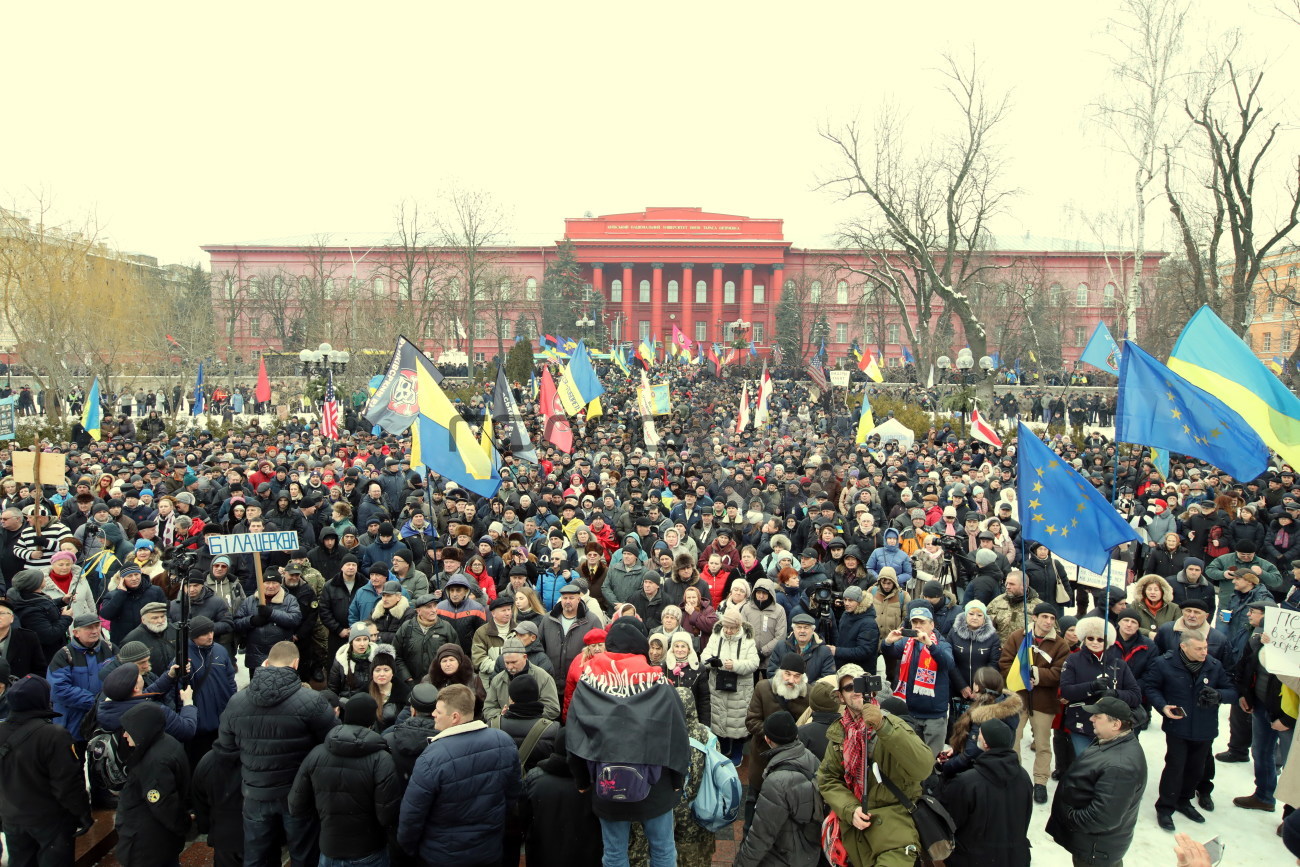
[(351, 784), (406, 741), (42, 781), (990, 830), (273, 724), (1096, 804), (972, 651), (38, 613), (152, 809)]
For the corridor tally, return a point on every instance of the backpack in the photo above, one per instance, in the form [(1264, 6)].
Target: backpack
[(623, 783), (107, 757), (718, 800)]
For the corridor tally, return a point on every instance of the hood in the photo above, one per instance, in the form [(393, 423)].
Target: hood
[(144, 723), (999, 767), (270, 686), (745, 629), (1137, 590), (353, 741), (329, 532), (1005, 707), (891, 533)]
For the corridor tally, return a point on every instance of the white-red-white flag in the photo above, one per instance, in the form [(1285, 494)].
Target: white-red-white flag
[(742, 416), (980, 430)]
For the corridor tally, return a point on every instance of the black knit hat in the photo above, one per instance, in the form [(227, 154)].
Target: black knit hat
[(780, 728), (996, 734), (793, 661), (360, 710)]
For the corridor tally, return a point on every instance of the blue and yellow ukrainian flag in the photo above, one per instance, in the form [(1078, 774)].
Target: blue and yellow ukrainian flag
[(444, 443), (92, 417), (1019, 676), (1209, 355)]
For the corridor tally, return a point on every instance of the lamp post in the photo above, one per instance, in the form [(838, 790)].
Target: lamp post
[(965, 361), (944, 363), (323, 360)]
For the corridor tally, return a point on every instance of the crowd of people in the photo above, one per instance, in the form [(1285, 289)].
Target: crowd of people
[(577, 668)]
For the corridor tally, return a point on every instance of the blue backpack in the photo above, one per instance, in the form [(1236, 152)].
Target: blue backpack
[(718, 801)]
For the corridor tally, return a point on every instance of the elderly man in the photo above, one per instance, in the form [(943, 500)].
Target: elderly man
[(803, 642), (514, 656), (155, 633), (1096, 805), (564, 627), (1048, 651)]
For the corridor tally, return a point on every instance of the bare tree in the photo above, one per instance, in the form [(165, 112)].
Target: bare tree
[(925, 232), (1148, 45), (470, 226), (1236, 139)]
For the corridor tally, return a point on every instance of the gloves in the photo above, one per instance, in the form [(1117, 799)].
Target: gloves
[(1096, 690), (715, 662), (263, 616), (1207, 697)]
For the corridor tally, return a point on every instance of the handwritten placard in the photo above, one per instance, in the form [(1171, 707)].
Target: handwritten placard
[(1281, 656)]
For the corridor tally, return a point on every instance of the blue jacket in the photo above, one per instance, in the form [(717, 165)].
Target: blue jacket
[(1167, 681), (364, 602), (887, 555), (180, 726), (212, 674), (789, 598), (817, 657), (74, 681), (919, 705), (859, 638), (460, 792), (378, 552)]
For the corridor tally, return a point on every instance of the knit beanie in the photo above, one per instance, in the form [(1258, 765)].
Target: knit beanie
[(360, 710)]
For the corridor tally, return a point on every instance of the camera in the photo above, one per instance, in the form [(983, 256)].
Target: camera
[(952, 545), (909, 633), (824, 595), (868, 684)]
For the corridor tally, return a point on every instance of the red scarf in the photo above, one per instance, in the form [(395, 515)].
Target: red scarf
[(855, 753), (927, 671)]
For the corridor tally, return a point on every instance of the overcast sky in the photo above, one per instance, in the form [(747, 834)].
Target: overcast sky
[(188, 124)]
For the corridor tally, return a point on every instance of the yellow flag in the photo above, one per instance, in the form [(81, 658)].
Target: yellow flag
[(594, 410), (440, 434), (866, 421)]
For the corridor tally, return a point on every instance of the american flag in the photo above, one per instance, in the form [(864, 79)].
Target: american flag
[(329, 417), (817, 373)]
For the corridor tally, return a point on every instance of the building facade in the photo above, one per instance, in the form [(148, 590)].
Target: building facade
[(1275, 322), (714, 276)]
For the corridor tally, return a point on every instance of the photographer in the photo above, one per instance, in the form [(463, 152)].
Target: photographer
[(924, 670), (821, 602), (1186, 685)]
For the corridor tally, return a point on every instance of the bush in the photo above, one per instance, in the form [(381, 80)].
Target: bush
[(917, 420)]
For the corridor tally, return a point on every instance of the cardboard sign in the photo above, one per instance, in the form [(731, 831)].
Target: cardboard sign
[(1281, 656), (248, 543), (53, 467), (1118, 570), (840, 378)]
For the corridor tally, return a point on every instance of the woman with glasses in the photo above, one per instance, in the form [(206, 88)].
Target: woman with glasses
[(1097, 670)]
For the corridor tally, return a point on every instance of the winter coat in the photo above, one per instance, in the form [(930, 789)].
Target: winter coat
[(1008, 614), (212, 674), (905, 758), (498, 694), (1138, 652), (621, 581), (984, 585), (208, 605), (1168, 637), (24, 653), (350, 784), (562, 648), (349, 676), (946, 613), (1096, 805), (1006, 707), (74, 677), (153, 814), (1078, 682), (363, 603), (335, 600), (464, 618), (767, 622), (919, 705), (972, 651), (261, 637), (990, 830), (787, 802), (817, 657), (1049, 662), (1239, 627), (389, 620), (894, 556), (1202, 590), (1215, 570), (891, 609), (41, 616), (1168, 681), (43, 781), (562, 829), (762, 704), (859, 638), (1152, 620), (121, 608), (1276, 551), (218, 803), (406, 741), (181, 726), (273, 724), (1044, 576), (727, 709), (161, 645), (455, 806)]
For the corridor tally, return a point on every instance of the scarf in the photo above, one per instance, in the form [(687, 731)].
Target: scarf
[(1192, 666), (1282, 540), (927, 671), (855, 753), (1153, 607)]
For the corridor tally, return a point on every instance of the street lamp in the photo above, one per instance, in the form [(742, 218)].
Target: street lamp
[(323, 360)]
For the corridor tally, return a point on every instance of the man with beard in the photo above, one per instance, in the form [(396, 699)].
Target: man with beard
[(786, 690), (514, 656), (155, 633)]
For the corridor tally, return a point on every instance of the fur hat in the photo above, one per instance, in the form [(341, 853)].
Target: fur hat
[(1095, 627)]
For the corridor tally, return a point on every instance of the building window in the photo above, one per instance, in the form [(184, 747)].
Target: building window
[(480, 358), (673, 292), (480, 329), (815, 292), (644, 294), (729, 292), (894, 362), (1268, 341), (503, 289), (530, 289), (330, 288), (1286, 341), (760, 294), (1272, 303), (701, 292), (760, 333), (1080, 335), (616, 291), (1081, 295), (841, 332), (1054, 295), (403, 289), (1108, 295), (842, 293), (230, 287), (701, 332), (891, 333), (505, 329), (644, 330), (255, 327)]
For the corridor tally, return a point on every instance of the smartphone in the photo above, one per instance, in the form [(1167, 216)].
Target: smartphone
[(1178, 712), (909, 633), (1214, 846)]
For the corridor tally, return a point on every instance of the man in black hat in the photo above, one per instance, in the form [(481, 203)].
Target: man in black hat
[(991, 830), (407, 740), (789, 801), (43, 800), (564, 626), (1096, 804)]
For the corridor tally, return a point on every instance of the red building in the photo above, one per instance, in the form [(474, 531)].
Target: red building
[(702, 272)]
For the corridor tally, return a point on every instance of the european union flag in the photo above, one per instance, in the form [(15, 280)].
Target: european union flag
[(1102, 352), (1157, 407), (1060, 509), (907, 356)]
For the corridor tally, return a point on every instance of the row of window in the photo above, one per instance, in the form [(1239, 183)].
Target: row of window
[(1284, 343), (378, 288), (674, 292)]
